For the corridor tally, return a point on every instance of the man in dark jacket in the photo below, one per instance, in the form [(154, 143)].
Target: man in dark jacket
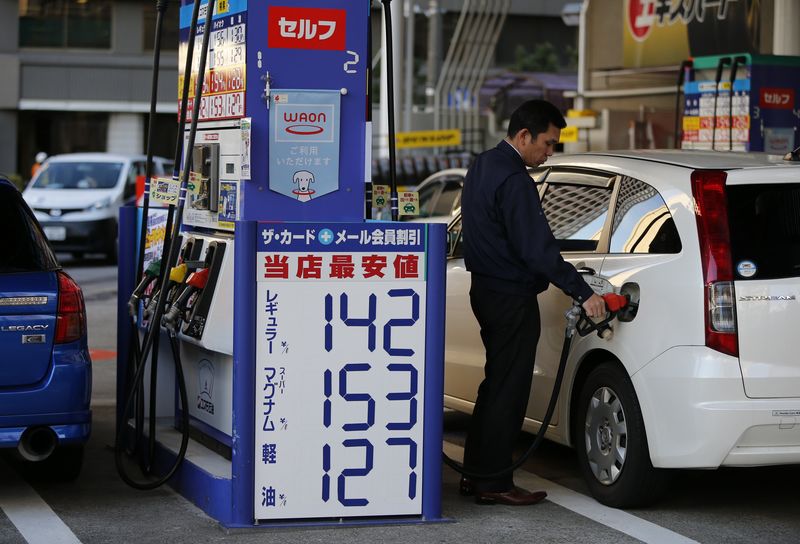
[(513, 256)]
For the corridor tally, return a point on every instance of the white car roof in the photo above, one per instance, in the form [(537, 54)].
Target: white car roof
[(719, 160)]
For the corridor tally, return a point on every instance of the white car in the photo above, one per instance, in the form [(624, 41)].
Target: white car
[(76, 197), (707, 373)]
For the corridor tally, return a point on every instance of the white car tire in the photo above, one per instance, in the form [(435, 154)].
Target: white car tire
[(611, 441)]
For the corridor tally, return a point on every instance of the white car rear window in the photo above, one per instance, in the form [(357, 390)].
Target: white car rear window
[(764, 222)]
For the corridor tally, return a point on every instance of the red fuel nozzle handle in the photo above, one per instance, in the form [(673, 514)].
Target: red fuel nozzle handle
[(198, 279), (615, 302)]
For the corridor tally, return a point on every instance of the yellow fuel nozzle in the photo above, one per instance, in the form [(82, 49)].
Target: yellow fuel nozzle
[(178, 273)]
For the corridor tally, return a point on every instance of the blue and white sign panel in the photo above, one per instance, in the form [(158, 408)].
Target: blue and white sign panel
[(340, 367), (304, 143)]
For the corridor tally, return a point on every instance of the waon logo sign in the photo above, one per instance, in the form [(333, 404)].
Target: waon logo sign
[(777, 98), (306, 28)]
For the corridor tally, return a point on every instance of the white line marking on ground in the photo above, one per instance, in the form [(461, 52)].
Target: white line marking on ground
[(33, 518), (587, 507)]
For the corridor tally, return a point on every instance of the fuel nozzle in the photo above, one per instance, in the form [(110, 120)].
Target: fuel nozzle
[(584, 325), (615, 302), (176, 278), (150, 275), (177, 275), (195, 282)]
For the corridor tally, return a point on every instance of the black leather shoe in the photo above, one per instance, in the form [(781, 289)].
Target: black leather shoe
[(514, 497), (465, 487)]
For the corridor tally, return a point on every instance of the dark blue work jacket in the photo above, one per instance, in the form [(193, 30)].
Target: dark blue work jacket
[(508, 245)]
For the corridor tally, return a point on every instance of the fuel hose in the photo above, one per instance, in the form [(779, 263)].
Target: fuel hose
[(168, 259)]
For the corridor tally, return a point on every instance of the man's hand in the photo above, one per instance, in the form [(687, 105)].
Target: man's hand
[(595, 306)]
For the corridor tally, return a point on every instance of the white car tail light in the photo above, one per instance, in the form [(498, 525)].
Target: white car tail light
[(711, 210), (722, 307)]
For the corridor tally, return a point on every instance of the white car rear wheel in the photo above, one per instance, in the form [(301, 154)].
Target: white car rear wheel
[(611, 440)]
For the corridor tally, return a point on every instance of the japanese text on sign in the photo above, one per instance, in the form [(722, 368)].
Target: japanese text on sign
[(340, 370)]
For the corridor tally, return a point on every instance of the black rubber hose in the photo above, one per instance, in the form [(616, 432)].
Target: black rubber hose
[(184, 430), (588, 327), (685, 66), (368, 168), (562, 365), (723, 61), (173, 241), (740, 59), (387, 12), (134, 347), (170, 248)]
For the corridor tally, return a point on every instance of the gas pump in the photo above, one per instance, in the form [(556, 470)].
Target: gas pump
[(741, 102), (309, 340)]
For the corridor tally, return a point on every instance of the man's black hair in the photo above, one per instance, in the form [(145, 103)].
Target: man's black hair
[(536, 116)]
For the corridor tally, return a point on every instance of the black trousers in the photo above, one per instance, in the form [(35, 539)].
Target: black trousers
[(510, 328)]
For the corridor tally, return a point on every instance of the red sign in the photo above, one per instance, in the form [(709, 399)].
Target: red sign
[(776, 98), (306, 28), (641, 16)]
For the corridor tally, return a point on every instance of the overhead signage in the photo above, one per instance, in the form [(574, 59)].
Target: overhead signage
[(304, 143), (428, 138), (340, 369), (666, 32)]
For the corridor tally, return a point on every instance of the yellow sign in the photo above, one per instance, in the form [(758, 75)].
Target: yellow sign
[(428, 138), (569, 134), (380, 196), (581, 113), (164, 191), (408, 203), (691, 122)]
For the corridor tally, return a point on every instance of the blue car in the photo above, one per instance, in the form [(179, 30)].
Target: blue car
[(45, 369)]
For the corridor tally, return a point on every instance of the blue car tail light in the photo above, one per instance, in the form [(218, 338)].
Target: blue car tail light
[(71, 312)]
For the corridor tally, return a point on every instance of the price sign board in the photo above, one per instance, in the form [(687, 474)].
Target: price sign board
[(340, 370), (224, 81)]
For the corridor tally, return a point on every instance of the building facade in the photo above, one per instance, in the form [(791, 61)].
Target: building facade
[(78, 76)]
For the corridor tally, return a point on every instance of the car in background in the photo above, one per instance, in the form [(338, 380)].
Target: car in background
[(45, 368), (76, 197), (439, 195), (705, 372)]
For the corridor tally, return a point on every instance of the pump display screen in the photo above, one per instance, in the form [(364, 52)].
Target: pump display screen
[(340, 360)]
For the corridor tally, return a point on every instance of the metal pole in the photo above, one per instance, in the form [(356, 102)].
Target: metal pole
[(458, 66), (785, 38), (434, 55), (484, 65), (408, 91), (387, 12), (448, 61), (583, 51), (476, 41)]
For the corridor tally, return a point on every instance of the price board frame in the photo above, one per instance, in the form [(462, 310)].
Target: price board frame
[(252, 385)]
